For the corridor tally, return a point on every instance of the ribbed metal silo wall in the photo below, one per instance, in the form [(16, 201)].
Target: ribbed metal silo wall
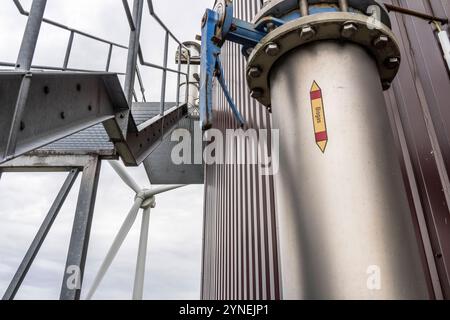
[(419, 102), (240, 252)]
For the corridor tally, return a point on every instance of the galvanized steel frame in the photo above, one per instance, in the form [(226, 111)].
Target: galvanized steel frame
[(74, 164), (138, 138)]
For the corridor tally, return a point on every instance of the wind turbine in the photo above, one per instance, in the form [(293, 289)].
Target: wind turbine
[(145, 200)]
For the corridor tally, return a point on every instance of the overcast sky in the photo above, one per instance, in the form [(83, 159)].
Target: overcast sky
[(174, 255)]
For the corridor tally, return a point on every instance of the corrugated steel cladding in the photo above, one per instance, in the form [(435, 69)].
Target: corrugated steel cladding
[(240, 252), (420, 104), (240, 247)]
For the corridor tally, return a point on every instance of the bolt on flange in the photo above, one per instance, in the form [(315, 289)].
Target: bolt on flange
[(381, 42), (349, 30), (392, 62), (307, 33), (254, 72), (256, 93), (272, 49)]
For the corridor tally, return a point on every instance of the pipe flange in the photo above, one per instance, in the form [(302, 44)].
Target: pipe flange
[(376, 37), (280, 8), (224, 10)]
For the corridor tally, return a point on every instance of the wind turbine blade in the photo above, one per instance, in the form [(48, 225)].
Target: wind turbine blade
[(123, 174), (162, 189), (118, 241), (139, 278)]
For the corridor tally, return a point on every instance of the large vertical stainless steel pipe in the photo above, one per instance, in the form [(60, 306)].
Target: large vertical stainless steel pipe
[(345, 225), (31, 35)]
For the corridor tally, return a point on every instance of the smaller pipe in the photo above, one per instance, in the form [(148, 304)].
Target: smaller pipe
[(343, 5), (416, 14), (304, 8)]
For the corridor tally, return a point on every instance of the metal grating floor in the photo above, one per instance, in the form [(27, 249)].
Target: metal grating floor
[(96, 139)]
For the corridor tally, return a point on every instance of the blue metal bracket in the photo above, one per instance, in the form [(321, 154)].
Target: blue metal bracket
[(218, 27)]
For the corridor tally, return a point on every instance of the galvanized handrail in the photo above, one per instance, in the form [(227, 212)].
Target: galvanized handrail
[(112, 45), (163, 67), (62, 26)]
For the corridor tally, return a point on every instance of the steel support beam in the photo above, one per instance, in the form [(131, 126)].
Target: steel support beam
[(45, 162), (40, 236), (76, 259), (133, 49), (31, 35), (35, 109)]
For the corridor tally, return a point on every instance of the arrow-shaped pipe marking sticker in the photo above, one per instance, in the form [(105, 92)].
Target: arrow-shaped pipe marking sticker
[(318, 113)]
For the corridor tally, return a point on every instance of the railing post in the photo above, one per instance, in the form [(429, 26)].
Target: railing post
[(133, 50), (188, 78), (31, 35), (108, 62), (180, 48), (68, 50), (164, 76)]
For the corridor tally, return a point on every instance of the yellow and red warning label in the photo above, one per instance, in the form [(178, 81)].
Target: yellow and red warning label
[(318, 112)]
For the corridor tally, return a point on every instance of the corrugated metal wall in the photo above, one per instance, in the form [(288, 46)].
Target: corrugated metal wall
[(420, 106), (240, 250), (240, 254)]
